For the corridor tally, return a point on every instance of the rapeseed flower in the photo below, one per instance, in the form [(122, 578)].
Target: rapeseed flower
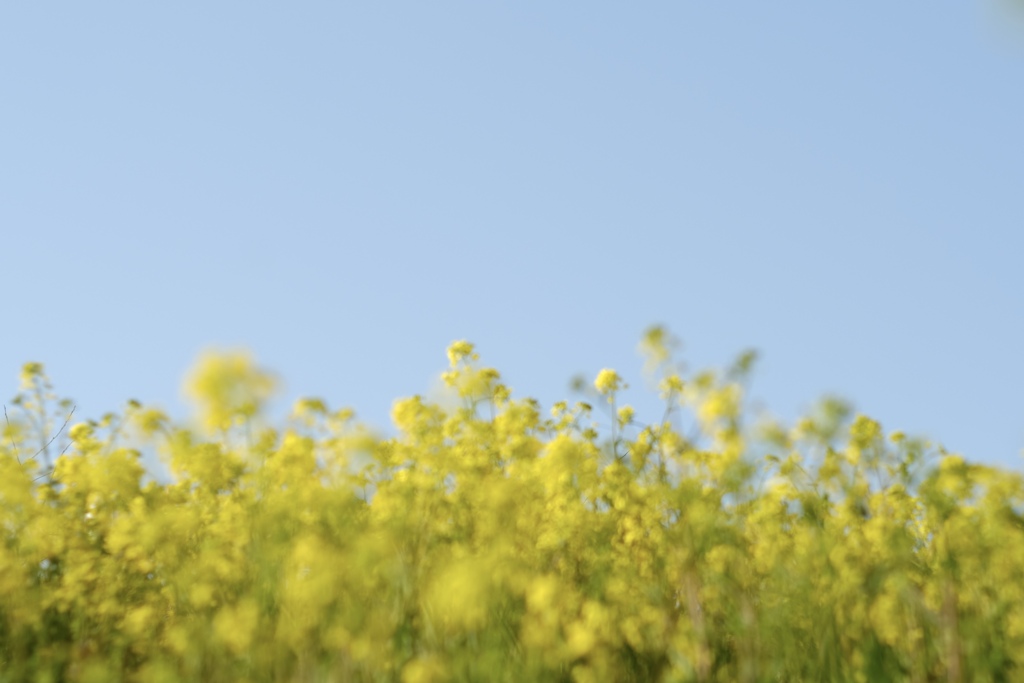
[(485, 540)]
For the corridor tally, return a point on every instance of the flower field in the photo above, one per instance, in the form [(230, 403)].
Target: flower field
[(491, 540)]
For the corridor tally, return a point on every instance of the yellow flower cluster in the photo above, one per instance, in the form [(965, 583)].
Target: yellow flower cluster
[(486, 542)]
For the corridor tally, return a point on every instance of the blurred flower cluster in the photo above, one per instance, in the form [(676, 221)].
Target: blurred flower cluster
[(488, 541)]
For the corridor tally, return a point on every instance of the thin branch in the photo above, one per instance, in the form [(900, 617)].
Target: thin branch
[(54, 438), (17, 455)]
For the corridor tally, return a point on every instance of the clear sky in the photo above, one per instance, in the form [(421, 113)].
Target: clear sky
[(346, 188)]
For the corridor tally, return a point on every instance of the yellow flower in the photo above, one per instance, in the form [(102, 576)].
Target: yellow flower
[(481, 541), (229, 387), (29, 373), (459, 350), (425, 669), (626, 414), (607, 382)]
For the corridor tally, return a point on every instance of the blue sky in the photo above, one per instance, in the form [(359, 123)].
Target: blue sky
[(346, 188)]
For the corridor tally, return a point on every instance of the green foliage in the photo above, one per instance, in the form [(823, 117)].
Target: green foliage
[(489, 542)]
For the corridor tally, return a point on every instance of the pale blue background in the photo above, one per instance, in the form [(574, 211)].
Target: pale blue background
[(345, 188)]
